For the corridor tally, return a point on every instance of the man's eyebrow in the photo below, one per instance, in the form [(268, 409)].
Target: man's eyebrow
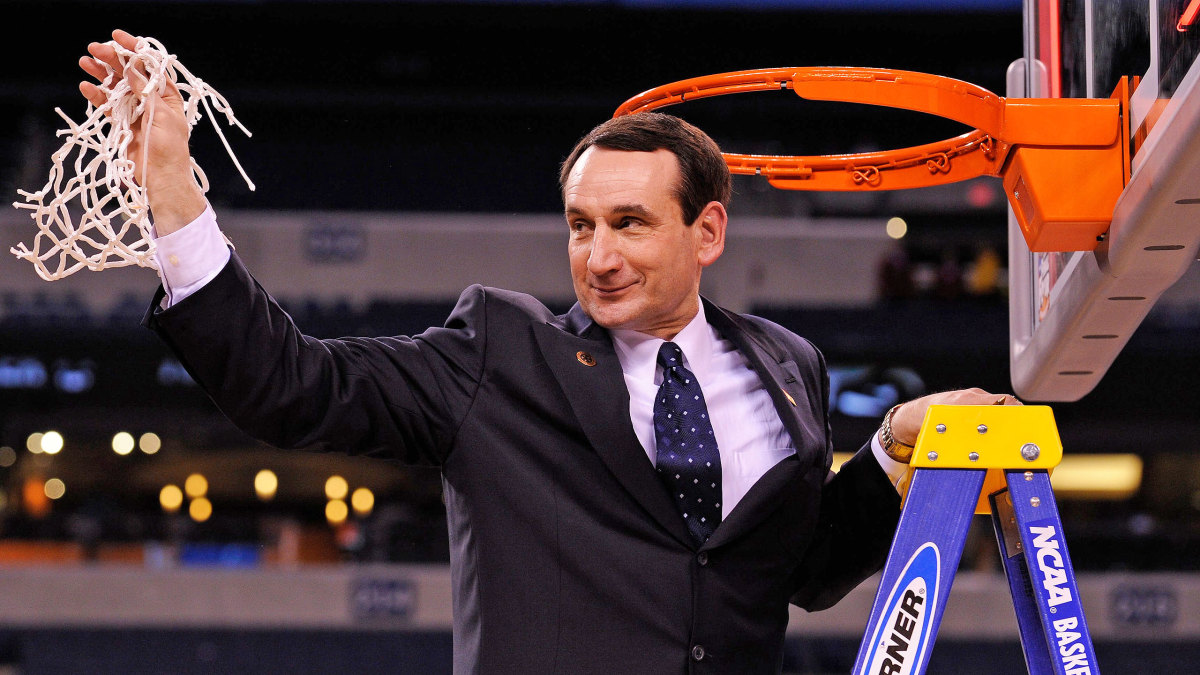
[(633, 209)]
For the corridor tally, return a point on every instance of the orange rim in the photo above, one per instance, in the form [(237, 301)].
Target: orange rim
[(980, 152)]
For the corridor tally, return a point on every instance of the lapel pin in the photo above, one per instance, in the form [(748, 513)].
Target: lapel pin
[(587, 360), (789, 398)]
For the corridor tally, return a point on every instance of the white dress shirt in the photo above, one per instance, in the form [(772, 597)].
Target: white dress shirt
[(190, 257), (750, 436)]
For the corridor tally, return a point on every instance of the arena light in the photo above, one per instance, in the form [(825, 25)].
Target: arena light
[(33, 497), (122, 443), (52, 442), (55, 488), (336, 487), (150, 443), (200, 509), (171, 498), (195, 486), (363, 501), (336, 512), (1101, 476), (896, 228), (8, 457), (266, 483), (34, 443)]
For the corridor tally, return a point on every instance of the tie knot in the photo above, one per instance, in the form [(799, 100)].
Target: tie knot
[(670, 355)]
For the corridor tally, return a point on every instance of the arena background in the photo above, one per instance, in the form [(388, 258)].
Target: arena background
[(404, 150)]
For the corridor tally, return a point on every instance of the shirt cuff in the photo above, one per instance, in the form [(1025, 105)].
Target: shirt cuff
[(895, 470), (190, 257)]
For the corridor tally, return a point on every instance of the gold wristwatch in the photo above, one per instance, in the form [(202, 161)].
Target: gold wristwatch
[(895, 449)]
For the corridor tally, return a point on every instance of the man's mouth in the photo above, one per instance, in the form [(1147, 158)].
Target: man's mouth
[(609, 291)]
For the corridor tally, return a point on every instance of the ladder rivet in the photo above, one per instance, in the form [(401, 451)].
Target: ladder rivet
[(1034, 501), (974, 456), (982, 428), (1028, 475), (1030, 451), (941, 428), (932, 456)]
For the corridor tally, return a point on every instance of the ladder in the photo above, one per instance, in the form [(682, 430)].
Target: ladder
[(979, 459)]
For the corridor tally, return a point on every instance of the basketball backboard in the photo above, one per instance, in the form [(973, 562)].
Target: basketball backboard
[(1072, 313)]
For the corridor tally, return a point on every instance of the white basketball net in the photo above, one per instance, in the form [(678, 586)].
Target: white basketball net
[(92, 213)]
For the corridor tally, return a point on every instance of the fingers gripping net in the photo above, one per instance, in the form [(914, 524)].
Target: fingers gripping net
[(92, 213)]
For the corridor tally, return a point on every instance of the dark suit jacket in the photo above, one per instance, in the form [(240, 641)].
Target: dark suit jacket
[(568, 555)]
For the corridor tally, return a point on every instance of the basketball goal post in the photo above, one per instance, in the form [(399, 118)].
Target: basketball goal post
[(1083, 185)]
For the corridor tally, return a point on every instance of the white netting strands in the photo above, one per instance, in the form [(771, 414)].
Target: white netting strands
[(92, 213)]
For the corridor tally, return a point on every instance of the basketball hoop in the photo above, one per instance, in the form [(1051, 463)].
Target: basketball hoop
[(1064, 162)]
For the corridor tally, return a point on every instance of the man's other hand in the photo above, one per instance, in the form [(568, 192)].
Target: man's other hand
[(906, 421)]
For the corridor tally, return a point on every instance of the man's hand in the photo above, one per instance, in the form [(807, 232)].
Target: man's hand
[(905, 422), (175, 198)]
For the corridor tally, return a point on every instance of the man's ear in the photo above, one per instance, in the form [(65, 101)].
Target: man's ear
[(710, 228)]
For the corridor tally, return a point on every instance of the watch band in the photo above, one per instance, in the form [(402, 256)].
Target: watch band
[(894, 448)]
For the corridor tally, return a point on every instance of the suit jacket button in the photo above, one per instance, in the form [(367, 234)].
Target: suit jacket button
[(702, 558), (698, 653)]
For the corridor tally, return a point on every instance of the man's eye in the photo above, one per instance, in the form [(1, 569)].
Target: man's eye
[(628, 222)]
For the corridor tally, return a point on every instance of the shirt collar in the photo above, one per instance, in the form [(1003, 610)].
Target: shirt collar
[(638, 352)]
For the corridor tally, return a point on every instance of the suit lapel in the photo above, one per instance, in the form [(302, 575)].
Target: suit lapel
[(780, 377), (598, 395)]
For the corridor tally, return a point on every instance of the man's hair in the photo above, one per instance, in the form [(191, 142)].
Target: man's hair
[(703, 174)]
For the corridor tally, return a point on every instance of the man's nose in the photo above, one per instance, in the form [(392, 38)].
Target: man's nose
[(605, 255)]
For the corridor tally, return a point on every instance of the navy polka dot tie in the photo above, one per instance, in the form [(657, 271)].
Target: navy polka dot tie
[(688, 462)]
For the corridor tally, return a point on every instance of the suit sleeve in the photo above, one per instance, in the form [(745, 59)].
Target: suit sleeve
[(397, 398), (858, 514)]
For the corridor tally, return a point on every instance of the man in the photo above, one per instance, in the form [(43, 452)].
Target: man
[(601, 521)]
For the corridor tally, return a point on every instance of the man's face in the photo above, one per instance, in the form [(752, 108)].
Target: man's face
[(634, 263)]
